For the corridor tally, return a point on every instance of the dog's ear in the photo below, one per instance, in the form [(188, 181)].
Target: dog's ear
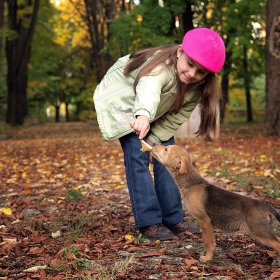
[(192, 159), (181, 163)]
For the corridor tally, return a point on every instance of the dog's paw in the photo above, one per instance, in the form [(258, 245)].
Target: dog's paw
[(205, 258)]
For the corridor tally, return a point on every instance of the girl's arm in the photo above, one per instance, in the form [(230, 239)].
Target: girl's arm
[(148, 92), (166, 126)]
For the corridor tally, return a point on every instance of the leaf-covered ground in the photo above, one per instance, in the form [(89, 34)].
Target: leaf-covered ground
[(65, 211)]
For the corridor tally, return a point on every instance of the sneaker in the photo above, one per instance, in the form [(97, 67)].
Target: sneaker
[(156, 232), (183, 226)]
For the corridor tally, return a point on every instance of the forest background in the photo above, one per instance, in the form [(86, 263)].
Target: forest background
[(64, 206), (54, 53)]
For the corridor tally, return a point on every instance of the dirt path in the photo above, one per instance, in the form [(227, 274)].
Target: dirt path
[(71, 215)]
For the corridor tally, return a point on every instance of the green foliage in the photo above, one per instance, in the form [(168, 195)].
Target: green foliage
[(242, 26), (146, 25), (60, 68), (44, 62)]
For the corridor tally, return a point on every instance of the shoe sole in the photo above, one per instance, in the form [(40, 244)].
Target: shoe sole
[(192, 229), (159, 237)]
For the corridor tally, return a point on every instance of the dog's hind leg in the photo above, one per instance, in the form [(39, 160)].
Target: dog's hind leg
[(260, 229), (208, 239), (272, 243)]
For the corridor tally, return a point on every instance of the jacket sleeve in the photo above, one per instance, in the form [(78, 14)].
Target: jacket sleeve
[(167, 125), (148, 92)]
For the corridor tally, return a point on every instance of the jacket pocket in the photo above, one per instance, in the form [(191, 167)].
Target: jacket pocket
[(114, 111)]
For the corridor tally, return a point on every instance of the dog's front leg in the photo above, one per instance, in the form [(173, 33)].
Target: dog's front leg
[(208, 239)]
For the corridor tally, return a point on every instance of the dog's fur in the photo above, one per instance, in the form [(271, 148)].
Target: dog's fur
[(213, 206)]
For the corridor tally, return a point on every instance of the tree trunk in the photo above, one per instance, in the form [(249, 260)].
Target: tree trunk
[(18, 54), (272, 112), (187, 18), (1, 22), (225, 86), (99, 16), (247, 85), (57, 113), (67, 115)]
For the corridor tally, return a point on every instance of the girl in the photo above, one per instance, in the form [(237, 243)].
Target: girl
[(149, 94)]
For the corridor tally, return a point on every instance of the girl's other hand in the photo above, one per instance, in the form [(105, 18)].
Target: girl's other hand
[(141, 126)]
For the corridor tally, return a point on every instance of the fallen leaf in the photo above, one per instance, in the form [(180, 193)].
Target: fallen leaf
[(35, 268), (190, 261), (275, 275), (7, 211), (56, 234), (134, 249), (128, 237), (11, 241)]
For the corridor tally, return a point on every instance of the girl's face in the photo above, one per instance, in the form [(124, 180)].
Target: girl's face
[(189, 70)]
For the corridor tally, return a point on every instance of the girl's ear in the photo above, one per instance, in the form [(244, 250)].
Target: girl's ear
[(179, 50)]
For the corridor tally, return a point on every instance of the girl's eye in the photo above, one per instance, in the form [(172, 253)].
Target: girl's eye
[(190, 63)]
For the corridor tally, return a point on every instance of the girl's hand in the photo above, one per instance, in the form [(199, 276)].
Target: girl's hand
[(141, 126)]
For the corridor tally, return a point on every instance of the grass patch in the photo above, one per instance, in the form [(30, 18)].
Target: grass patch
[(105, 272), (73, 195)]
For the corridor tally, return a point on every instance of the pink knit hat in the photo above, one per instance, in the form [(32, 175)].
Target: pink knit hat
[(206, 47)]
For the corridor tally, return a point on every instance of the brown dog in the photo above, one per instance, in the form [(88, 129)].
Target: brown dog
[(213, 206)]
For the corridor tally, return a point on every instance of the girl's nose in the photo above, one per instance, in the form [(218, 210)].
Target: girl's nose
[(192, 72)]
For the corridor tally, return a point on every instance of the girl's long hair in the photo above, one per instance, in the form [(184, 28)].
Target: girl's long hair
[(166, 56)]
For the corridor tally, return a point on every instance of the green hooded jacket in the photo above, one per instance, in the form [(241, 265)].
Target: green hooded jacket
[(116, 103)]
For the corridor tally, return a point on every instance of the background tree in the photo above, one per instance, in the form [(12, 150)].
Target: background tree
[(76, 78), (1, 23), (146, 25), (44, 62), (2, 72), (99, 15), (73, 47), (22, 20), (241, 24), (60, 71), (244, 44), (272, 113)]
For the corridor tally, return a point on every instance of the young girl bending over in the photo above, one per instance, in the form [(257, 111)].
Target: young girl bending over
[(148, 95)]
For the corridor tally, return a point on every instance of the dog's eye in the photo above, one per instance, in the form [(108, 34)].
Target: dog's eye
[(165, 149)]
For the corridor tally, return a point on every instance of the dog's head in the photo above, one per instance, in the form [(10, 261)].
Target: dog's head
[(173, 157)]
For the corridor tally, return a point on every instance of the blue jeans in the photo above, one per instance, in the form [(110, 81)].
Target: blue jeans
[(153, 201)]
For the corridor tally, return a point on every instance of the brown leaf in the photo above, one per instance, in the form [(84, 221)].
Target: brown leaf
[(134, 249), (155, 253), (275, 274), (190, 261)]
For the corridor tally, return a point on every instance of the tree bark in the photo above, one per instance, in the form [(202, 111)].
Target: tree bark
[(18, 54), (67, 115), (225, 87), (187, 19), (247, 86), (57, 116), (1, 22), (272, 112), (99, 16)]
